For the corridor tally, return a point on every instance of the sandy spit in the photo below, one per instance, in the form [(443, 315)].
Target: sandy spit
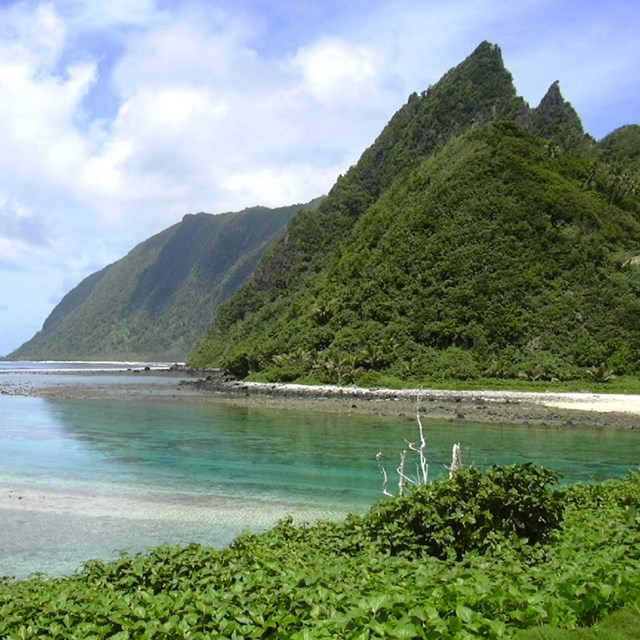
[(571, 410), (498, 407)]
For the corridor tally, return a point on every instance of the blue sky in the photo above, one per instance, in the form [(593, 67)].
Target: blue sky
[(117, 118)]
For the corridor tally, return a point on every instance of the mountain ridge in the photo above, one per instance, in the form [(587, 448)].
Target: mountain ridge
[(282, 324), (154, 303), (268, 291)]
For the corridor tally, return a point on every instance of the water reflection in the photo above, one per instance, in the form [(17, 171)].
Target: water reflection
[(255, 453), (92, 477), (310, 457)]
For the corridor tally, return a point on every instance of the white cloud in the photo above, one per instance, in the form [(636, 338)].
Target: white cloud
[(205, 122), (17, 253), (338, 72), (273, 186), (34, 36), (39, 102)]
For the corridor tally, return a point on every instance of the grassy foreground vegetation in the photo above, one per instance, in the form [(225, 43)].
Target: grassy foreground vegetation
[(485, 554)]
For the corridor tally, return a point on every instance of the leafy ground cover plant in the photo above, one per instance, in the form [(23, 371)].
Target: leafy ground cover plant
[(337, 580), (621, 625)]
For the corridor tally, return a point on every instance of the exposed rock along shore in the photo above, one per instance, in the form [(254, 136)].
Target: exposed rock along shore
[(568, 410), (498, 407)]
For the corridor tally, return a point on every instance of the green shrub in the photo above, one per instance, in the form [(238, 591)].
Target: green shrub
[(469, 512), (458, 364)]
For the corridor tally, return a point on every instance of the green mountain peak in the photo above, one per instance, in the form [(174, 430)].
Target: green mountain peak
[(468, 240), (477, 91)]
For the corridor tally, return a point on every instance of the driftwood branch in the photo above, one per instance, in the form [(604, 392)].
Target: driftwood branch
[(422, 468), (383, 473)]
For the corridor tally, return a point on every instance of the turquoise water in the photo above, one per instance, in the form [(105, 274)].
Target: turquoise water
[(86, 478)]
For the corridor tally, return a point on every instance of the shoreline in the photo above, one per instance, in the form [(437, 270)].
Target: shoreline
[(568, 410), (556, 410)]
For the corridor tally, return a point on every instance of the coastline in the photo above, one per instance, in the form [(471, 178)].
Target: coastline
[(570, 410), (83, 520), (557, 410)]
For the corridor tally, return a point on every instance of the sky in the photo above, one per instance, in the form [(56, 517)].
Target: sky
[(119, 117)]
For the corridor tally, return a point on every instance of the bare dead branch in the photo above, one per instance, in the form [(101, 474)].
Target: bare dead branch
[(456, 460)]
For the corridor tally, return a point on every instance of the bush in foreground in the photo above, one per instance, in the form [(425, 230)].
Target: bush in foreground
[(347, 580)]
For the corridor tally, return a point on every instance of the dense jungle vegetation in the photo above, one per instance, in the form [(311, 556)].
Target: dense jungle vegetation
[(499, 256), (482, 555), (476, 238)]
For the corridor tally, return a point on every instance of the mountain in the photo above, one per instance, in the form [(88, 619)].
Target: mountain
[(556, 119), (154, 303), (476, 236), (476, 92)]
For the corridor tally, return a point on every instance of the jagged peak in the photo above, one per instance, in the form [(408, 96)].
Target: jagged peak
[(553, 93), (552, 102), (487, 47), (556, 119)]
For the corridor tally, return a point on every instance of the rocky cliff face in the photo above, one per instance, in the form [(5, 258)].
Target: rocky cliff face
[(556, 119)]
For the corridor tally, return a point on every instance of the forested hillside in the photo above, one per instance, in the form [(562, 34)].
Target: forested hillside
[(475, 237), (155, 302), (621, 148)]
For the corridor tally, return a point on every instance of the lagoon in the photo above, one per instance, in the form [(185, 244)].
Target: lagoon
[(82, 479)]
